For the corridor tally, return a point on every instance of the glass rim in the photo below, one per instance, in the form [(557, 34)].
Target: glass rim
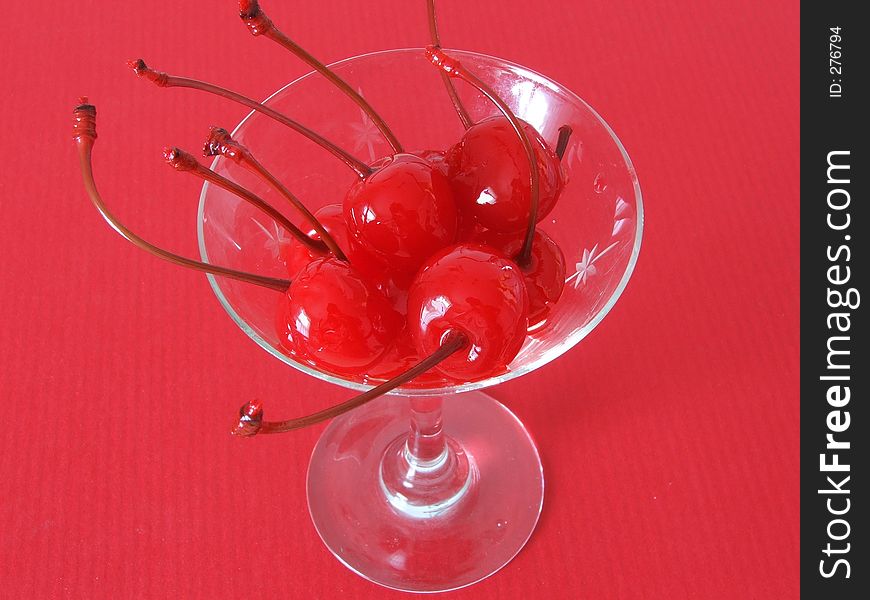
[(561, 348)]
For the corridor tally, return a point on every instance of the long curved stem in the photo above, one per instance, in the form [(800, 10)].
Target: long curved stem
[(184, 161), (84, 134), (451, 90), (260, 24), (162, 79), (251, 414), (455, 69), (220, 142)]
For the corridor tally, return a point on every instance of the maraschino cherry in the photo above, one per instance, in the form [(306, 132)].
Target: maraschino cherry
[(401, 356), (490, 175), (488, 172), (468, 311), (403, 212), (334, 319), (489, 169), (544, 274), (470, 289), (436, 158), (297, 255), (380, 281)]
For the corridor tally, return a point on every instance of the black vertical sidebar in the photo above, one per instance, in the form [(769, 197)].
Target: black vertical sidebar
[(834, 265)]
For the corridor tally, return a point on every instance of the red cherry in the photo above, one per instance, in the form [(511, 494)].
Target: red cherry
[(402, 213), (436, 158), (297, 255), (472, 290), (392, 284), (400, 357), (490, 175), (469, 229), (335, 320), (544, 273)]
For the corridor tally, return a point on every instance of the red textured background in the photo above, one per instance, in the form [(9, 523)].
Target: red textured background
[(669, 436)]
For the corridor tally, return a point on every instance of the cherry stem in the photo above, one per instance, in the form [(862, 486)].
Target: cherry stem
[(84, 134), (565, 132), (260, 24), (162, 79), (451, 90), (184, 161), (251, 414), (220, 142), (454, 68)]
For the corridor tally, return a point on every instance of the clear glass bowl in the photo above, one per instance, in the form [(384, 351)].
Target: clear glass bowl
[(597, 222), (451, 499)]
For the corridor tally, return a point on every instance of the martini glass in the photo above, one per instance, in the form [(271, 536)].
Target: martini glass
[(441, 486)]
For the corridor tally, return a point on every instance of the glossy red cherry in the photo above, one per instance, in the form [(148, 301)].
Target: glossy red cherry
[(544, 273), (402, 213), (472, 290), (399, 357), (436, 158), (392, 284), (335, 320), (469, 229), (490, 175), (297, 255)]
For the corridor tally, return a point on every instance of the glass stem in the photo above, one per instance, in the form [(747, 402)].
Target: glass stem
[(426, 446), (424, 473)]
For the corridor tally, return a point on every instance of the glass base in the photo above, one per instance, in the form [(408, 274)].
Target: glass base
[(451, 521)]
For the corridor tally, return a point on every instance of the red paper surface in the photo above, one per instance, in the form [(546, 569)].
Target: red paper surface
[(669, 435)]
